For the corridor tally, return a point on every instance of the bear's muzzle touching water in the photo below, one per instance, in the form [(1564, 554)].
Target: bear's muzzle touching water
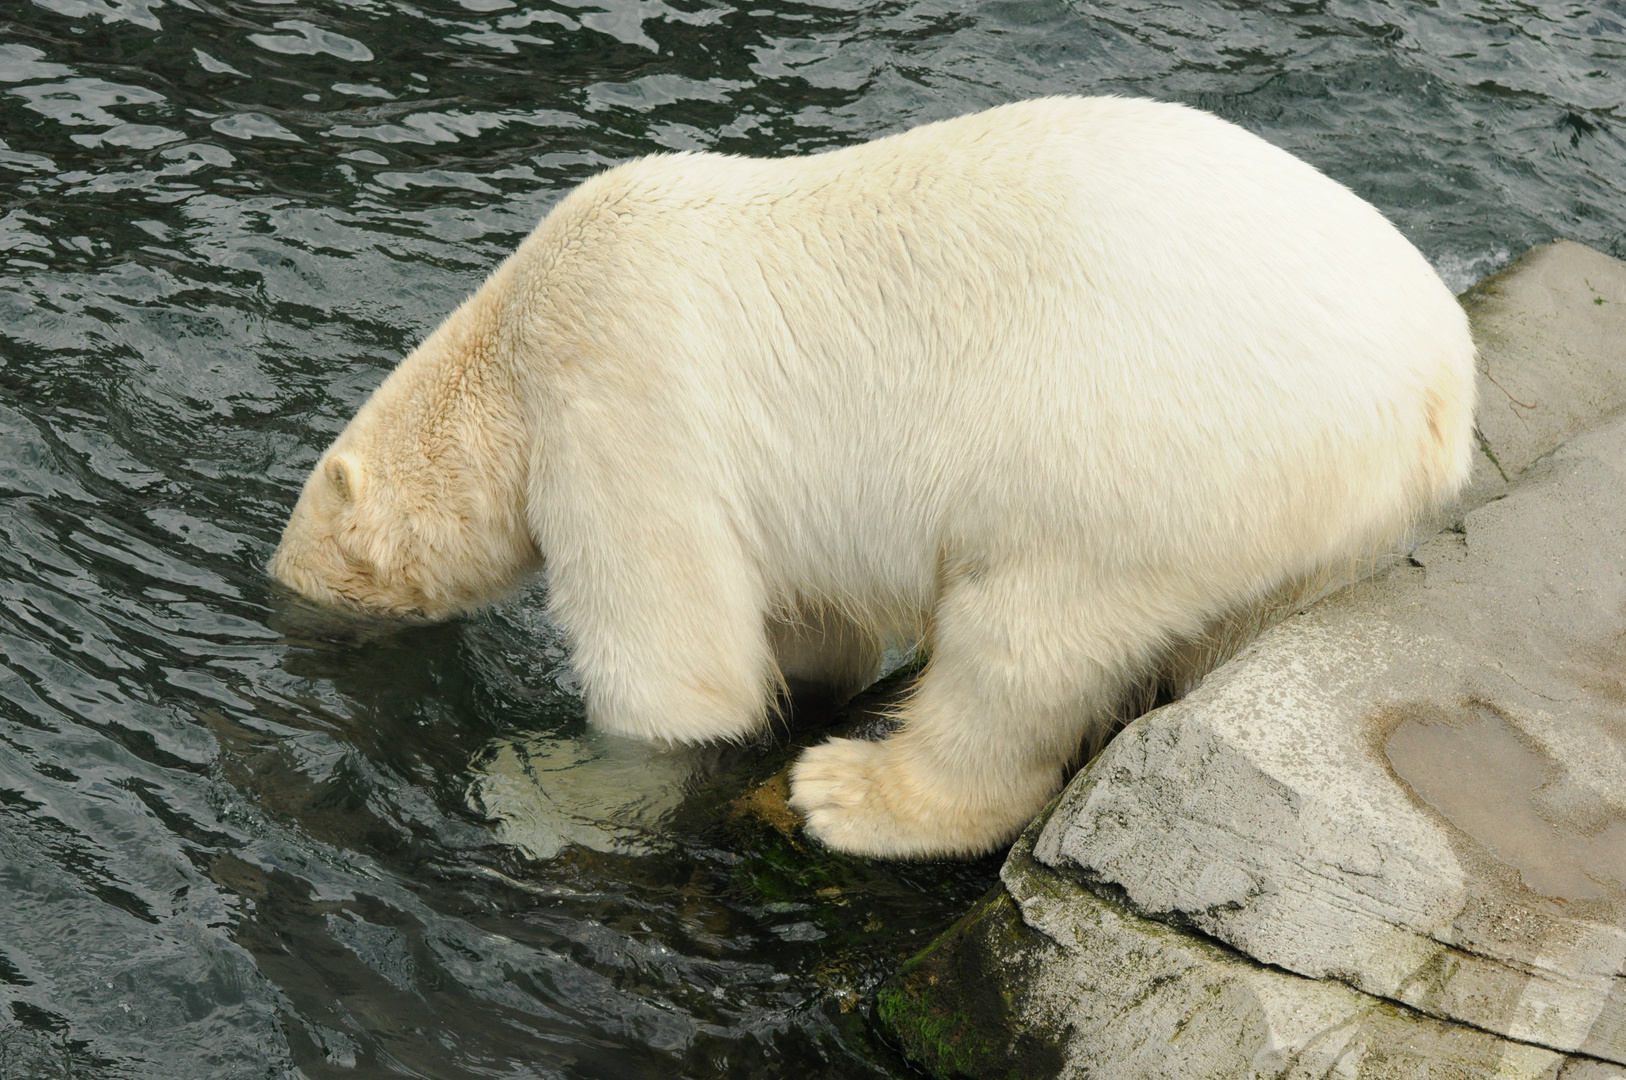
[(1054, 386)]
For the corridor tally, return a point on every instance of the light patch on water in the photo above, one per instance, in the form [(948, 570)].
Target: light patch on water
[(1459, 272), (363, 90), (139, 12), (307, 39), (84, 102), (215, 67), (434, 178), (599, 792), (22, 63), (134, 136), (253, 126)]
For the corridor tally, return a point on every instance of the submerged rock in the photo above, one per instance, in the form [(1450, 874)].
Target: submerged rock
[(596, 791), (1389, 838)]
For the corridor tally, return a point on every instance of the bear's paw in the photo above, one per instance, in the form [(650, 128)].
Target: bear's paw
[(863, 798)]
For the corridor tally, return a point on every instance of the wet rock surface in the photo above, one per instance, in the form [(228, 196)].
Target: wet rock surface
[(1047, 977), (1389, 838)]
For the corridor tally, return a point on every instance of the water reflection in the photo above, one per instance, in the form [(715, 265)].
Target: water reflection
[(236, 843), (601, 792)]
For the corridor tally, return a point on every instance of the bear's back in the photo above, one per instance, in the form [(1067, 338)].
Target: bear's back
[(1128, 329)]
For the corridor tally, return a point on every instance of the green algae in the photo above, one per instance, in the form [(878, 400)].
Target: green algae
[(956, 1009)]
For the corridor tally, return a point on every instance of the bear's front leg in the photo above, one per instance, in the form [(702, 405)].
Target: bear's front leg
[(665, 619), (1023, 668)]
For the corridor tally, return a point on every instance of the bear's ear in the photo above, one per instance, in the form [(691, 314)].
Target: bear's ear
[(343, 476)]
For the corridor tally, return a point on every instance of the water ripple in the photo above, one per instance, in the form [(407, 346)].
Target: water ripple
[(237, 839)]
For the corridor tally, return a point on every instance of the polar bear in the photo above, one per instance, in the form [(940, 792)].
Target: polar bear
[(1054, 386)]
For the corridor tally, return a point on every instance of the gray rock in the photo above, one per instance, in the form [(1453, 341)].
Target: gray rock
[(1408, 802), (1048, 978), (1414, 787), (1551, 330)]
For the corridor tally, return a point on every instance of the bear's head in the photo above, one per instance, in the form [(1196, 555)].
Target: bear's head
[(417, 510)]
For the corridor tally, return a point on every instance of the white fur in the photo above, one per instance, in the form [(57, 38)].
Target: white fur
[(1059, 384)]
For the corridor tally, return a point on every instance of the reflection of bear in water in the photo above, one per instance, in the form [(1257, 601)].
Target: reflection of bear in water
[(1056, 385)]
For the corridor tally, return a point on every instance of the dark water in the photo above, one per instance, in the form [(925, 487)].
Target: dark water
[(236, 844)]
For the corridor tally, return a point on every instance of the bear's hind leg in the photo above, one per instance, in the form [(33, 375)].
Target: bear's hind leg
[(1019, 674)]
